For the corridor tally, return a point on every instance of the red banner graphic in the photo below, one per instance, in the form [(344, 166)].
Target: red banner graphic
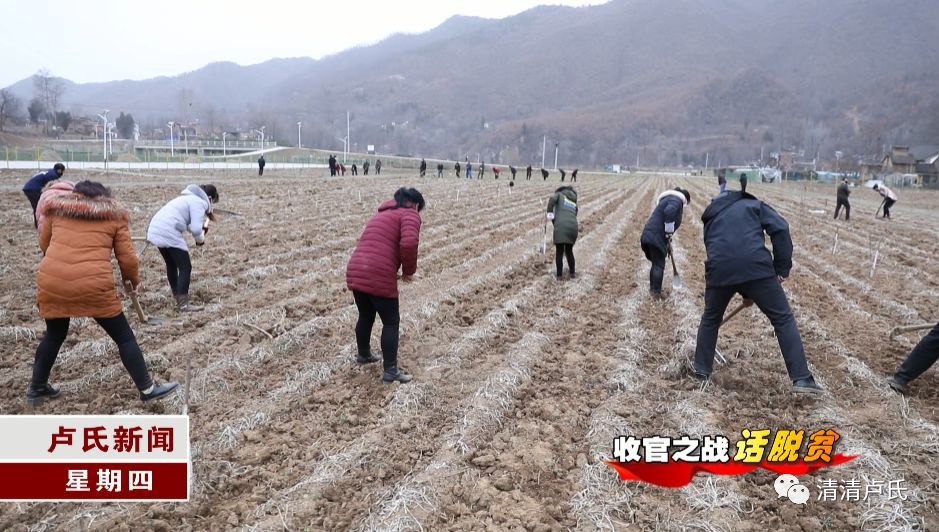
[(674, 474), (94, 481)]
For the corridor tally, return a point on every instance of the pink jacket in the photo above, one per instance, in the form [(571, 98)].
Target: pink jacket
[(389, 242), (55, 189)]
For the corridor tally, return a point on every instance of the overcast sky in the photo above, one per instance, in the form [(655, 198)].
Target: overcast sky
[(107, 40)]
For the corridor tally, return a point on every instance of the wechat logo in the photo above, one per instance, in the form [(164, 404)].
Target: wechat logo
[(788, 486)]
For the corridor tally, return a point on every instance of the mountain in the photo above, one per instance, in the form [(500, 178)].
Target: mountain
[(667, 81)]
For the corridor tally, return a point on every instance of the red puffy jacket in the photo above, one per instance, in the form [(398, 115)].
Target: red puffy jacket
[(388, 242)]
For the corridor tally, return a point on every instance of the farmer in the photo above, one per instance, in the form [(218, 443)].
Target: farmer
[(33, 188), (528, 173), (495, 171), (921, 358), (75, 279), (388, 242), (469, 170), (889, 198), (55, 189), (332, 165), (482, 170), (544, 174), (563, 174), (512, 169), (657, 235), (562, 212), (365, 167), (423, 167), (843, 192), (355, 169), (721, 181), (188, 211), (439, 169), (377, 166), (456, 167), (574, 175), (738, 262), (261, 163)]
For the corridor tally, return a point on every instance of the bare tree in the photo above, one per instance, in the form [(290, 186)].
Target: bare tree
[(48, 89), (9, 106)]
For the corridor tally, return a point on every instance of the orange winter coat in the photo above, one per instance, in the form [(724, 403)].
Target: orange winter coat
[(75, 276)]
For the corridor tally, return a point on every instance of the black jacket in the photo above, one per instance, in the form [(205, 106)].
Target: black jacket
[(734, 223), (843, 191), (669, 208)]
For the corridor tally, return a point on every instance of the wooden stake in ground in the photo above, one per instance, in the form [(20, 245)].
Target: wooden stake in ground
[(835, 246)]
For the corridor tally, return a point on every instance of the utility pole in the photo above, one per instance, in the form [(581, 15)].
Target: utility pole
[(172, 151), (104, 137), (706, 157), (224, 151), (555, 155), (298, 135), (348, 138), (544, 145)]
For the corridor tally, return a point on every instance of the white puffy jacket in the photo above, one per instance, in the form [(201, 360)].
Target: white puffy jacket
[(187, 211)]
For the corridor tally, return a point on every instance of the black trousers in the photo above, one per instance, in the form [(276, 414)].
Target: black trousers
[(561, 251), (261, 169), (528, 174), (769, 297), (847, 209), (657, 271), (887, 204), (119, 331), (33, 197), (387, 310), (178, 269), (921, 357)]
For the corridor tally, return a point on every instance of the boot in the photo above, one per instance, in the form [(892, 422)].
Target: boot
[(158, 391), (367, 358), (898, 384), (693, 371), (35, 395), (183, 304), (394, 374), (806, 386)]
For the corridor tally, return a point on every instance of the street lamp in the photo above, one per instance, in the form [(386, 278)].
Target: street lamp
[(223, 143), (172, 150), (556, 155), (104, 137), (262, 137), (298, 135)]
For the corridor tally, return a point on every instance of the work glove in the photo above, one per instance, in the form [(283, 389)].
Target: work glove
[(669, 228), (200, 242), (550, 216)]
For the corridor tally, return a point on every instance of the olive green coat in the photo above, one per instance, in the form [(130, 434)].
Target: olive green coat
[(564, 206)]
